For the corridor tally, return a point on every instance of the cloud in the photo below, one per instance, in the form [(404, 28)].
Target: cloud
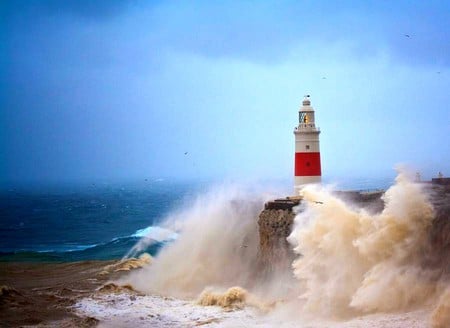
[(265, 32), (268, 32)]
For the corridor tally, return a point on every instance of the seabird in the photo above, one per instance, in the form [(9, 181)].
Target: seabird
[(407, 35), (318, 202)]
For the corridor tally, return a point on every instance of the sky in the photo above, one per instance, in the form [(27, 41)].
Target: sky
[(118, 90)]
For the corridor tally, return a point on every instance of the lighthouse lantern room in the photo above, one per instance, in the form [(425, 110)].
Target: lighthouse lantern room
[(307, 152)]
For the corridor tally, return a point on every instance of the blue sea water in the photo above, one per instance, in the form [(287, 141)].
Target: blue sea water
[(95, 222)]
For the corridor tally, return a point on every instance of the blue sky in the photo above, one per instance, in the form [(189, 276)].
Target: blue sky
[(122, 89)]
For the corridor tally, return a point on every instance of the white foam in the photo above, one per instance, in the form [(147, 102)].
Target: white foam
[(125, 310), (156, 233)]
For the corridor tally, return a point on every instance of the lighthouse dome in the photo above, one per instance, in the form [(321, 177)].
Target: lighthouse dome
[(306, 105)]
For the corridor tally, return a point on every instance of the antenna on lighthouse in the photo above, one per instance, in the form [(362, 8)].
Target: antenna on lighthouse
[(307, 151)]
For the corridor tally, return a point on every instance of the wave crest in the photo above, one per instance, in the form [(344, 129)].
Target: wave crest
[(352, 260)]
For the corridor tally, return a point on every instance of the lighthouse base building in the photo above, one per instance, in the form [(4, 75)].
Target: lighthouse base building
[(307, 168)]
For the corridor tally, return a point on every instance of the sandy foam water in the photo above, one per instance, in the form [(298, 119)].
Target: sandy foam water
[(125, 310)]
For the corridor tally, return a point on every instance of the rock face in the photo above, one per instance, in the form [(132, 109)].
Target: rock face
[(274, 227)]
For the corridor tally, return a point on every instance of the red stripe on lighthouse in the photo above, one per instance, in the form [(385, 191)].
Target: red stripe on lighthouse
[(307, 164)]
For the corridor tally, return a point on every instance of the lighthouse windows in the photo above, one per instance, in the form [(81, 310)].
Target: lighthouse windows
[(307, 146), (303, 118)]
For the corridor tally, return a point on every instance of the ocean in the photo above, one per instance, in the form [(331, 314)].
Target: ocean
[(100, 221), (94, 222)]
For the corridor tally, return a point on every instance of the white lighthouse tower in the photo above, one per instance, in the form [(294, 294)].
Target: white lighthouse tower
[(307, 151)]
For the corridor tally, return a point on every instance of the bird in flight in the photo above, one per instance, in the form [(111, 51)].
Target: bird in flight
[(186, 153), (407, 35)]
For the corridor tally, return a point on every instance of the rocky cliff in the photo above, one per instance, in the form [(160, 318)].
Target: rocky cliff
[(275, 225)]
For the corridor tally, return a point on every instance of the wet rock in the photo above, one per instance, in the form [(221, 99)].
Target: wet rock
[(274, 250)]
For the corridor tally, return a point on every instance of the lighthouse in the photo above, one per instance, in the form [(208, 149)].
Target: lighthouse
[(307, 152)]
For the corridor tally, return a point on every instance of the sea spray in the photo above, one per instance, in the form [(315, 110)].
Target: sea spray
[(217, 245), (350, 262), (128, 264), (233, 298), (441, 314), (353, 261)]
